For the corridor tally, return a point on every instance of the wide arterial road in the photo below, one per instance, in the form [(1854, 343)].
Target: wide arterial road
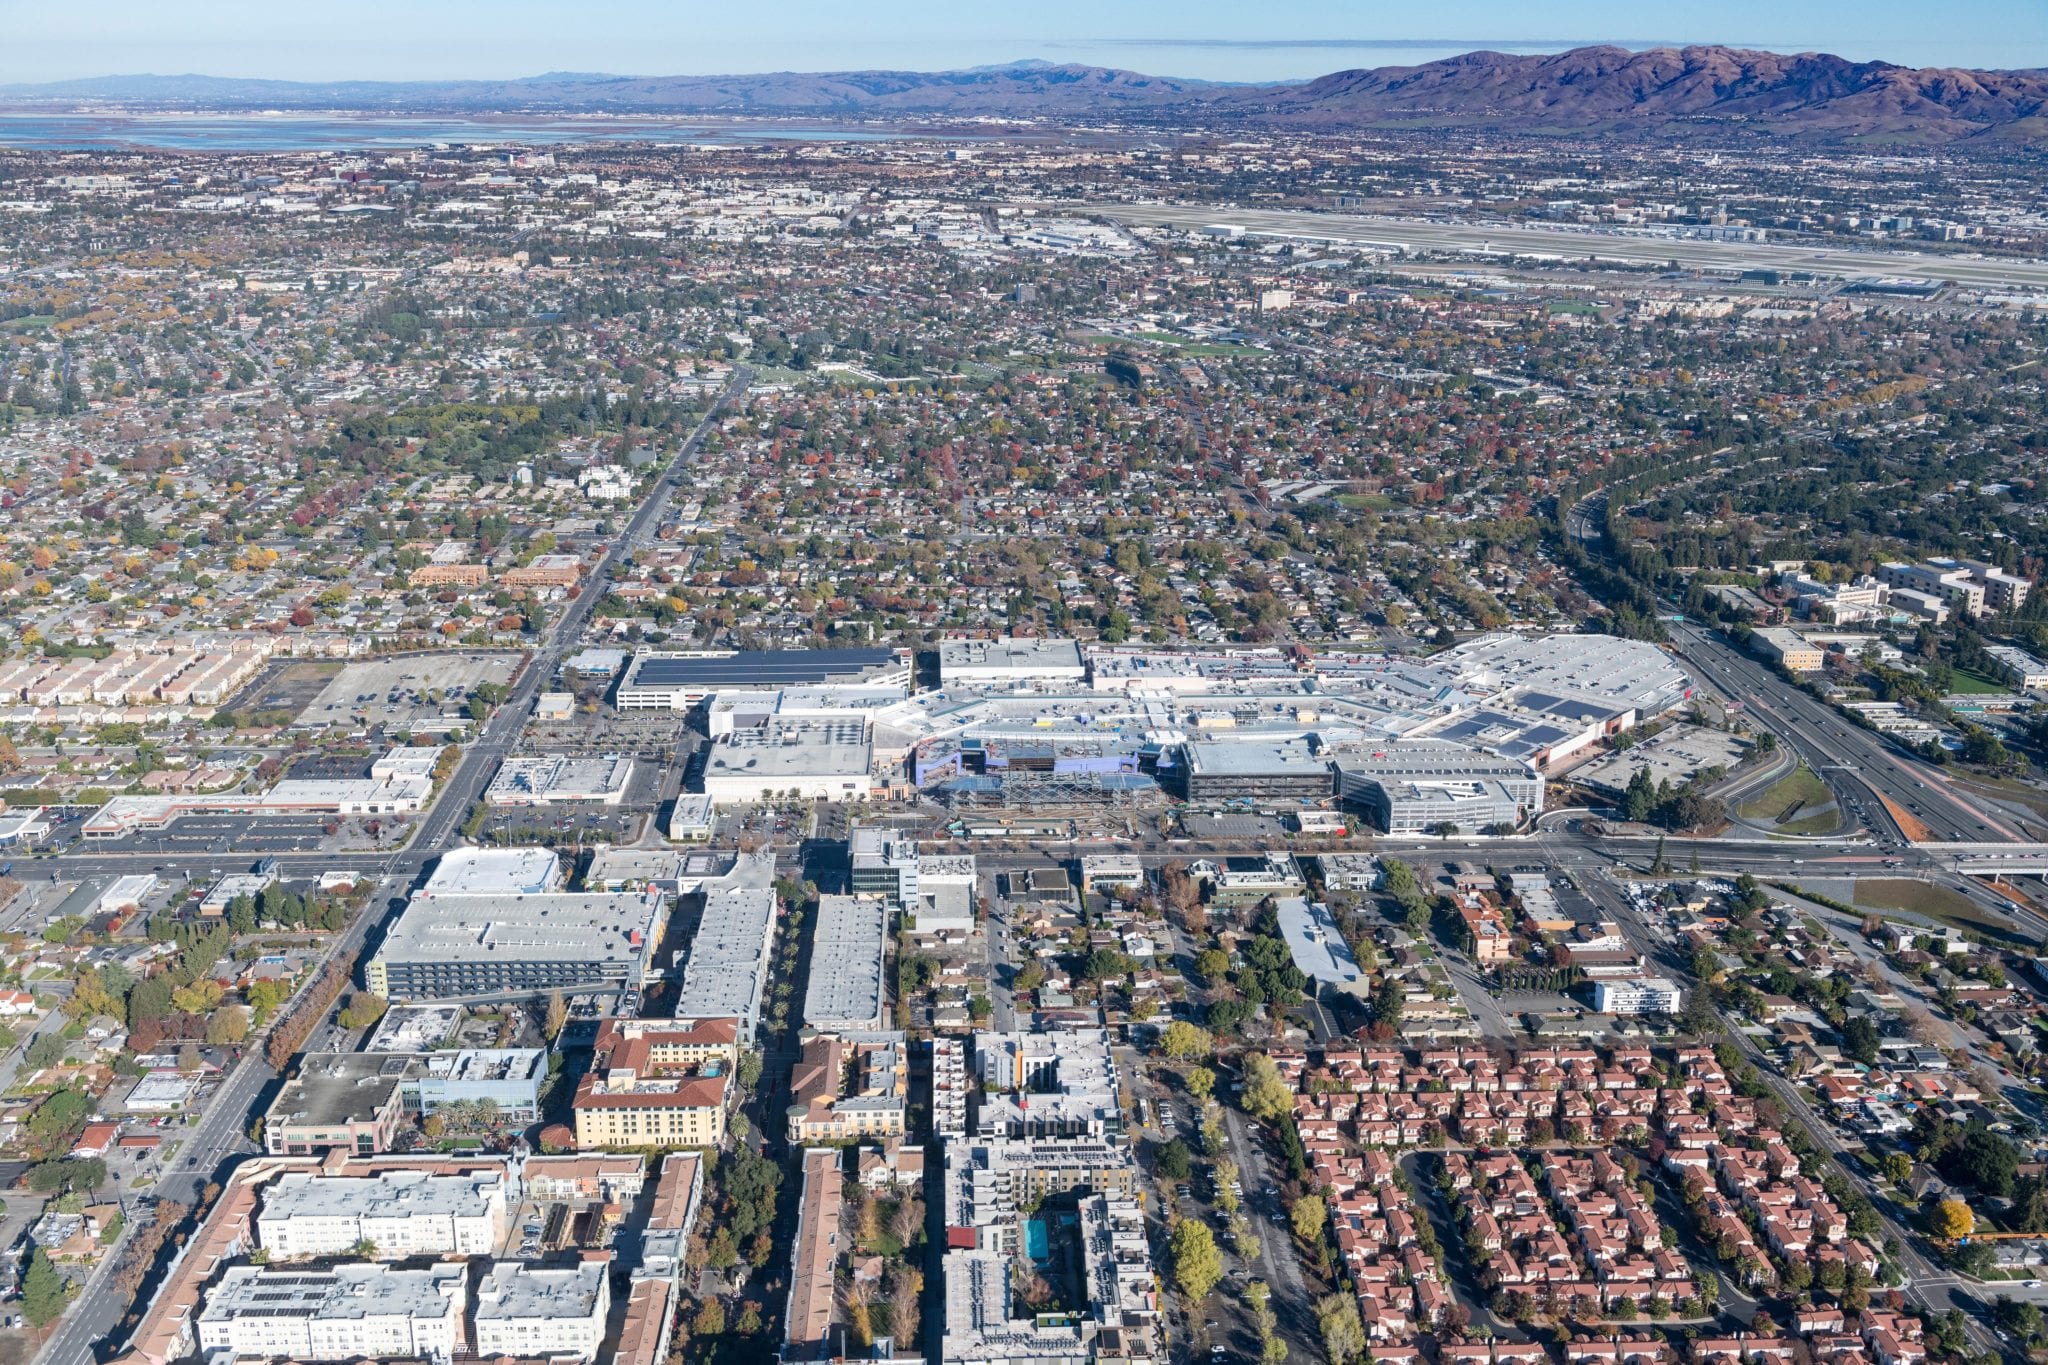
[(221, 1136)]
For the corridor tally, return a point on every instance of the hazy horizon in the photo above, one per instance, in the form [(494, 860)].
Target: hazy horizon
[(393, 40)]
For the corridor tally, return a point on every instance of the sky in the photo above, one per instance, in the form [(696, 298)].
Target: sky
[(1230, 40)]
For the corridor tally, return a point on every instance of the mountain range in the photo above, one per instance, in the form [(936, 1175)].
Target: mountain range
[(1667, 92)]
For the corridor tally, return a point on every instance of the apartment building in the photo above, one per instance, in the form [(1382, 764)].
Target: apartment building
[(552, 1312), (630, 1098), (356, 1311), (399, 1213)]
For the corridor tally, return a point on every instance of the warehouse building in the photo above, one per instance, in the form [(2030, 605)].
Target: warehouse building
[(449, 945), (1418, 785), (358, 1311), (847, 949), (828, 760), (659, 680)]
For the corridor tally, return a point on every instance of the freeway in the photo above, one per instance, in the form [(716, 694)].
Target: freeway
[(1844, 756), (1567, 243), (222, 1134)]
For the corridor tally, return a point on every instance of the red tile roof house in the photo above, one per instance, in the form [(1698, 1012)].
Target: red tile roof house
[(96, 1140)]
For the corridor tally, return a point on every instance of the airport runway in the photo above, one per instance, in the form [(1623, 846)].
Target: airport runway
[(1563, 242)]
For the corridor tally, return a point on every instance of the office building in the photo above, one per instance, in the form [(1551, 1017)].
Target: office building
[(690, 821), (1104, 873), (1353, 872), (1951, 582), (1246, 878), (945, 894), (2017, 668), (848, 947), (509, 1078), (350, 1101), (1788, 649), (359, 1311), (553, 1312), (400, 1213), (884, 863)]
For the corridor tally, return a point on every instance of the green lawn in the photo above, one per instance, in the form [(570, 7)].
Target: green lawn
[(1217, 348), (1968, 683), (1795, 791)]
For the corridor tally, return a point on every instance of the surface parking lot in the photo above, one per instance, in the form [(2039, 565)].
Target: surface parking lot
[(253, 834), (393, 692), (566, 824), (655, 736)]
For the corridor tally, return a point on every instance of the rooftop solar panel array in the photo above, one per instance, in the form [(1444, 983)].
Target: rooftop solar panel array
[(767, 668)]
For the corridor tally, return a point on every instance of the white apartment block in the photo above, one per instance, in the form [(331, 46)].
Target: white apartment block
[(533, 1311), (350, 1312), (1637, 995), (402, 1213)]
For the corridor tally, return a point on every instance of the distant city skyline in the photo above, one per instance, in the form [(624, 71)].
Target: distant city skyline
[(1209, 40)]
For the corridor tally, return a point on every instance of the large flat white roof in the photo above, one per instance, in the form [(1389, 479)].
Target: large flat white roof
[(496, 872)]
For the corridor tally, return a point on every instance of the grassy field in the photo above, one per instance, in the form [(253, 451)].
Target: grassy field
[(1966, 683), (1924, 898), (1218, 348), (1798, 791)]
